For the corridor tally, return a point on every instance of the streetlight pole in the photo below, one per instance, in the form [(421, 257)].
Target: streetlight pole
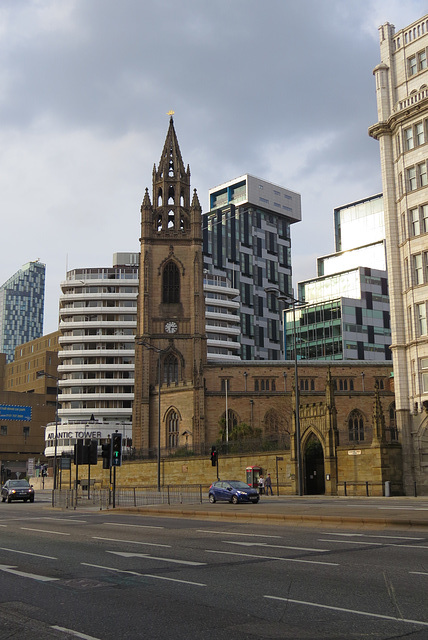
[(43, 374), (159, 351), (292, 301)]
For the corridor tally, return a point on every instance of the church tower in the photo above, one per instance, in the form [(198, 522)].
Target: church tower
[(170, 343)]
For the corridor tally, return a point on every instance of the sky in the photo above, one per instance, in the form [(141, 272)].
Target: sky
[(279, 89)]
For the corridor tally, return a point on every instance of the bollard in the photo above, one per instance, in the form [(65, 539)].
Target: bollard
[(344, 488), (387, 489)]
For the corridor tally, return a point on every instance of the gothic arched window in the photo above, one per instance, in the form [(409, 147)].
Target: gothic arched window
[(356, 426), (170, 283), (170, 369), (173, 425)]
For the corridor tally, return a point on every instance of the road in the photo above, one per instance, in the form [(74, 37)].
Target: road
[(105, 575)]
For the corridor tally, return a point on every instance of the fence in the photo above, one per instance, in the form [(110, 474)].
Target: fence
[(103, 498)]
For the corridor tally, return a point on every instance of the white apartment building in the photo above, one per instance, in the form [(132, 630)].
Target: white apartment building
[(402, 132), (222, 319), (98, 320)]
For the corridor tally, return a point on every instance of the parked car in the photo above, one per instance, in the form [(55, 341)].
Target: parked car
[(232, 491), (17, 490)]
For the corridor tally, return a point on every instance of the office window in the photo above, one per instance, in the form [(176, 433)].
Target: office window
[(411, 179), (422, 174), (418, 272), (420, 133), (408, 139), (412, 65), (424, 374), (414, 216), (422, 60), (424, 213), (421, 315)]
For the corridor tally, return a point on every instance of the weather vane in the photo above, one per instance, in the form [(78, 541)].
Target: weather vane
[(170, 113)]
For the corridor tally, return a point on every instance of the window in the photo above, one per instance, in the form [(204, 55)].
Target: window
[(414, 214), (3, 430), (424, 374), (418, 273), (422, 174), (421, 315), (356, 426), (422, 60), (170, 283), (170, 369), (412, 65), (408, 139), (411, 179), (420, 133), (26, 431), (173, 428), (424, 213)]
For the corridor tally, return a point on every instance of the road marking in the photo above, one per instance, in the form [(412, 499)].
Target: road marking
[(27, 553), (249, 555), (369, 535), (74, 633), (3, 525), (151, 544), (7, 569), (419, 573), (144, 575), (139, 526), (272, 546), (378, 544), (58, 533), (124, 554), (67, 520), (233, 533), (354, 611)]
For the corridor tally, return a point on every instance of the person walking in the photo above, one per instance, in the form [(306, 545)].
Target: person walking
[(268, 485), (261, 485)]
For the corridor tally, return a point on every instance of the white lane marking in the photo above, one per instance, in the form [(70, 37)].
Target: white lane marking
[(66, 520), (57, 533), (249, 555), (71, 632), (144, 575), (378, 544), (272, 546), (370, 535), (354, 611), (360, 542), (138, 526), (3, 525), (27, 553), (233, 533), (124, 554), (150, 544), (419, 573), (7, 569)]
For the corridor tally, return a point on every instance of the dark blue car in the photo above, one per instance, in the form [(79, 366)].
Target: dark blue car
[(232, 491)]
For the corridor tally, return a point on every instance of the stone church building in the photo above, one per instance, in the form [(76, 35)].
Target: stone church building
[(348, 436)]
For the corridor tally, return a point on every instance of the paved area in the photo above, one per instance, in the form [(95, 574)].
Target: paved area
[(409, 513)]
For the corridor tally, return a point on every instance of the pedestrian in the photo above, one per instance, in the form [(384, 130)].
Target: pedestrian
[(268, 485), (261, 485)]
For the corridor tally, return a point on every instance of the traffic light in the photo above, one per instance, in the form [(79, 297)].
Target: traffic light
[(106, 454), (214, 456), (116, 450), (93, 452)]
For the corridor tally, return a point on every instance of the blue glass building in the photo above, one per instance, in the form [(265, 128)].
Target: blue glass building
[(22, 300)]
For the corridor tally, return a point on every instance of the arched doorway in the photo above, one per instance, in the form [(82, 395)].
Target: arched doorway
[(314, 466)]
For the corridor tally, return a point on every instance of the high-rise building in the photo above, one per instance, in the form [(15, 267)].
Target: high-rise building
[(402, 131), (246, 238), (98, 320), (22, 300), (346, 310)]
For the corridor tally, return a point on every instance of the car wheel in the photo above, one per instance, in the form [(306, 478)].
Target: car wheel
[(256, 500), (211, 498), (25, 499), (234, 499), (32, 499)]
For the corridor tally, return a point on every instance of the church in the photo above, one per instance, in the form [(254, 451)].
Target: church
[(346, 436)]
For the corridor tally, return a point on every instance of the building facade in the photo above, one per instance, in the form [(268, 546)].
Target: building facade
[(22, 300), (246, 238), (402, 131), (97, 321), (346, 314)]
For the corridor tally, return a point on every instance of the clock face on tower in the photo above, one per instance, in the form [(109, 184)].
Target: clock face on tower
[(171, 326)]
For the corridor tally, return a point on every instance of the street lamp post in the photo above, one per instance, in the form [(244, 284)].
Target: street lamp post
[(43, 374), (292, 301), (159, 351)]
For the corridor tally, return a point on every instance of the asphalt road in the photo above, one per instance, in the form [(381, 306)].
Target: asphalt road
[(102, 575)]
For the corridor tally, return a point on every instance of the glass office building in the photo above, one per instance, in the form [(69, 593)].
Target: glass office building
[(246, 239), (346, 313), (22, 300)]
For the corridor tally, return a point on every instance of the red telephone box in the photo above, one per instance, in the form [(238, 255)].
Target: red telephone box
[(253, 475)]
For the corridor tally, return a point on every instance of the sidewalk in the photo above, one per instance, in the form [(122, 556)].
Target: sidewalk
[(400, 512)]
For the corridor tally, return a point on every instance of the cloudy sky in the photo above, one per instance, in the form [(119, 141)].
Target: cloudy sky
[(282, 89)]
